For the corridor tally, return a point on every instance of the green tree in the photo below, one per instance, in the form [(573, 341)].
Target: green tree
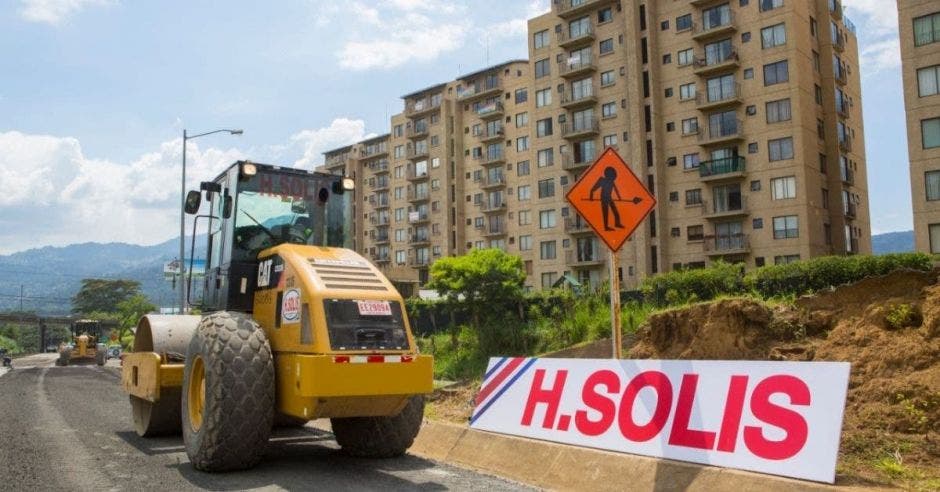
[(103, 295), (485, 281), (129, 313)]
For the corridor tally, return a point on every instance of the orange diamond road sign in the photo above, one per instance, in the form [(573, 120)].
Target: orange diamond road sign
[(611, 199)]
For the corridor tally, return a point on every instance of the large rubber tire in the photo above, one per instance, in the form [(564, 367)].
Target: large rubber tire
[(380, 437), (236, 396), (64, 357), (157, 419), (101, 356)]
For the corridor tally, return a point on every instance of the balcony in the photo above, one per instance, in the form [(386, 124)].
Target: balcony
[(843, 108), (414, 132), (574, 68), (380, 167), (577, 226), (494, 230), (382, 238), (414, 175), (722, 169), (489, 136), (417, 154), (416, 196), (492, 207), (570, 100), (584, 259), (838, 42), (493, 159), (380, 202), (725, 210), (419, 238), (418, 217), (848, 176), (569, 163), (845, 143), (491, 182), (380, 185), (724, 61), (711, 100), (841, 77), (479, 91), (733, 244), (380, 221), (579, 129), (374, 152), (568, 40), (490, 110), (381, 258), (835, 9), (568, 9), (719, 27), (421, 107), (721, 134), (419, 262), (850, 210)]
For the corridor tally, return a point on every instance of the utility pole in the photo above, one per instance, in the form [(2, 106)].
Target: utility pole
[(21, 298)]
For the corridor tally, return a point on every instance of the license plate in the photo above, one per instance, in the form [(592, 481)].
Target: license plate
[(374, 308)]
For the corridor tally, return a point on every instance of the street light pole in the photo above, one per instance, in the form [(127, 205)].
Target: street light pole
[(182, 257)]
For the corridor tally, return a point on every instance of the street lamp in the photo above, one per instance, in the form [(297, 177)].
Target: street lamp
[(183, 211)]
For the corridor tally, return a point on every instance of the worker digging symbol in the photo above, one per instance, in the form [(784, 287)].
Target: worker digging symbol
[(608, 186)]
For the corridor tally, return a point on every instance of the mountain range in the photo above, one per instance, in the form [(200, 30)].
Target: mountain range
[(50, 276)]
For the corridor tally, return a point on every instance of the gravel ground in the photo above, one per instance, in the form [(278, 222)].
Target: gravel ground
[(69, 428)]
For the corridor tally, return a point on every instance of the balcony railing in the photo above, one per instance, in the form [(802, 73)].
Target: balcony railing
[(382, 238), (497, 229), (488, 134), (722, 167), (418, 196), (567, 39), (490, 110), (380, 166), (851, 210), (418, 153), (835, 9), (843, 108), (380, 202), (416, 217), (845, 143), (569, 163), (419, 237), (567, 9), (569, 99), (417, 131), (419, 262), (413, 175), (580, 128), (380, 221), (493, 182), (493, 158), (577, 225), (380, 184), (381, 258), (848, 176), (715, 134), (727, 245), (723, 24), (421, 106), (374, 151), (578, 66), (704, 65), (838, 42), (716, 98), (476, 91), (495, 206), (728, 208), (841, 76), (592, 257)]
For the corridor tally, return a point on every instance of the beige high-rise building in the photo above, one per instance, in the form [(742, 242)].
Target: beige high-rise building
[(743, 117), (919, 28)]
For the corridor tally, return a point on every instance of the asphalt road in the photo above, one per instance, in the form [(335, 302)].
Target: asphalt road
[(70, 428)]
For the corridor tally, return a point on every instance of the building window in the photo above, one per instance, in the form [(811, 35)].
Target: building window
[(610, 140), (545, 157), (932, 181), (609, 110), (690, 126), (525, 243), (546, 219), (523, 193), (928, 81), (773, 36), (546, 188), (783, 188), (522, 120), (693, 197), (604, 15), (542, 68), (524, 217), (690, 161), (543, 97), (548, 279), (778, 111), (547, 250), (687, 91), (695, 233), (667, 58), (607, 78), (930, 132), (776, 73), (786, 227), (783, 260), (543, 128), (766, 5), (927, 30), (780, 149), (522, 144), (522, 95), (685, 57), (607, 46), (540, 39), (522, 168), (684, 22)]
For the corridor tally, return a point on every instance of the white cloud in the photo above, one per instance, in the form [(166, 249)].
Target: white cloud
[(55, 12), (416, 38), (877, 25), (51, 193)]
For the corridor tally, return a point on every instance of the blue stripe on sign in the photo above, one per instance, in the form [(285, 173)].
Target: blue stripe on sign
[(491, 371), (503, 389)]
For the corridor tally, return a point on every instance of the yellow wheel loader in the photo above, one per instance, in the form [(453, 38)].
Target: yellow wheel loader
[(296, 327), (82, 347)]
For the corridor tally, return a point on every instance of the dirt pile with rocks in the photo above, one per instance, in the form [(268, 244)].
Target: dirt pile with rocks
[(887, 327)]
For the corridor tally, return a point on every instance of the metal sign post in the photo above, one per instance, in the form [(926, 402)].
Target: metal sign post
[(603, 191)]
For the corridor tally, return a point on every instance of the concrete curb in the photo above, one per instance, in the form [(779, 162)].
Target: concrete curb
[(562, 467)]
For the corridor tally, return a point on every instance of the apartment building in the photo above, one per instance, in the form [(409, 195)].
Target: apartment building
[(743, 117), (919, 28)]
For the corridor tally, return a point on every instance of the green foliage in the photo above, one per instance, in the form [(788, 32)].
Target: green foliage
[(701, 284), (129, 312), (479, 278), (103, 295), (10, 346), (921, 410), (902, 316)]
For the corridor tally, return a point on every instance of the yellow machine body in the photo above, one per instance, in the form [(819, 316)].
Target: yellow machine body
[(315, 378)]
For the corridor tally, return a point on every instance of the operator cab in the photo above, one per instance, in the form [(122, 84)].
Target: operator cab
[(254, 207)]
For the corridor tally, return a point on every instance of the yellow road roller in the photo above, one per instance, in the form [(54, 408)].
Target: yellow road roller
[(295, 326)]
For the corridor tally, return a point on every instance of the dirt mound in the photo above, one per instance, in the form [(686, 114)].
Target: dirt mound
[(887, 327)]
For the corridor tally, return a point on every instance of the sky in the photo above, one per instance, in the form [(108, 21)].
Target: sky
[(95, 94)]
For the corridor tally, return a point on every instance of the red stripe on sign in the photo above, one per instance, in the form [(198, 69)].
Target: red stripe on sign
[(498, 379)]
